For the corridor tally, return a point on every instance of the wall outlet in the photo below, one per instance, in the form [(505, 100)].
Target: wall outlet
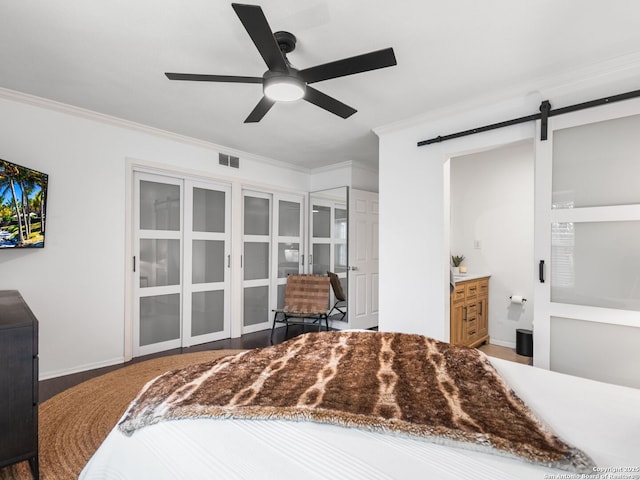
[(477, 245)]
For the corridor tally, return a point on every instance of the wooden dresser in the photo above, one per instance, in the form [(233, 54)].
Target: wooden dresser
[(470, 312), (18, 382)]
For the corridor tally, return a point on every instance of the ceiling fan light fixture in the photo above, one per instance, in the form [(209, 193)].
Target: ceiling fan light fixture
[(283, 87)]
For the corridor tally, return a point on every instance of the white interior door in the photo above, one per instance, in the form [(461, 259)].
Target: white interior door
[(587, 296), (328, 239), (157, 323), (256, 262), (363, 259), (207, 263), (182, 251), (288, 245)]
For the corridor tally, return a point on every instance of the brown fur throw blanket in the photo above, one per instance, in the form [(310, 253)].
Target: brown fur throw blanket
[(388, 382)]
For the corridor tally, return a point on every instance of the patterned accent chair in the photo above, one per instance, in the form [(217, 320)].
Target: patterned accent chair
[(306, 300), (341, 299)]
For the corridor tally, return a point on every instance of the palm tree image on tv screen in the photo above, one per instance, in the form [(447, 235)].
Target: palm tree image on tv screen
[(23, 195)]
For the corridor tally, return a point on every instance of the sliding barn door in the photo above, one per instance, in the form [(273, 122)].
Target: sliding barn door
[(587, 297)]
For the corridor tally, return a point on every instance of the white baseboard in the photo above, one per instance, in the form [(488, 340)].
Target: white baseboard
[(501, 343), (81, 368)]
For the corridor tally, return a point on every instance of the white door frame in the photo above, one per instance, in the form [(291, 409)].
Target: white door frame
[(136, 167)]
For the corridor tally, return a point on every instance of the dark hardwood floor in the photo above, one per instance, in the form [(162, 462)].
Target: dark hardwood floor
[(49, 388), (53, 386)]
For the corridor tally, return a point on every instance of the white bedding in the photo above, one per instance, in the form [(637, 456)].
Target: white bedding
[(601, 419)]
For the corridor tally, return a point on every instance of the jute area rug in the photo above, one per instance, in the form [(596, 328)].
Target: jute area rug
[(73, 424)]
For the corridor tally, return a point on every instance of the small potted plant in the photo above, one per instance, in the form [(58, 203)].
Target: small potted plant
[(456, 260)]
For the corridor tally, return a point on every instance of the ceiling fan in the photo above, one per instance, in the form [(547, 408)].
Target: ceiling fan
[(283, 82)]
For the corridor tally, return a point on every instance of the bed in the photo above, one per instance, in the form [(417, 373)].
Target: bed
[(162, 436)]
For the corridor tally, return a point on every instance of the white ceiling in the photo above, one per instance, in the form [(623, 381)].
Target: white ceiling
[(110, 56)]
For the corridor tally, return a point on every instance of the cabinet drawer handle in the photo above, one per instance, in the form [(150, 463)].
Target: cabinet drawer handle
[(472, 333), (464, 317)]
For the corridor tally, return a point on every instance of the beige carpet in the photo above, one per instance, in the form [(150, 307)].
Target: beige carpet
[(73, 424)]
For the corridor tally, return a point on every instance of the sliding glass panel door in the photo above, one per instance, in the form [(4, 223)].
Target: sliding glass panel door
[(256, 261), (288, 244), (207, 263), (181, 277), (158, 264), (329, 231), (587, 233)]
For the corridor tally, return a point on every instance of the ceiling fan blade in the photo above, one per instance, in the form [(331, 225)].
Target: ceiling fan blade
[(260, 110), (212, 78), (349, 66), (256, 25), (328, 103)]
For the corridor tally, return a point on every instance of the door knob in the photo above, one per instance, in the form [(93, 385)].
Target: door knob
[(352, 268)]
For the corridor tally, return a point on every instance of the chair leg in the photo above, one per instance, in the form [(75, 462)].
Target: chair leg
[(273, 327)]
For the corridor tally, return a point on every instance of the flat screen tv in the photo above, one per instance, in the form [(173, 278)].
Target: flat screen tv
[(23, 200)]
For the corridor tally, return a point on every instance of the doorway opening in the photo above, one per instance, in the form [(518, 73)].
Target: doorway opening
[(491, 224)]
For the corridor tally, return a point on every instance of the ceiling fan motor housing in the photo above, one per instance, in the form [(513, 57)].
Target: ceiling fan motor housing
[(286, 41)]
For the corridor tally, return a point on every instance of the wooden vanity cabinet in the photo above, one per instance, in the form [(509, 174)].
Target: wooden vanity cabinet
[(470, 312)]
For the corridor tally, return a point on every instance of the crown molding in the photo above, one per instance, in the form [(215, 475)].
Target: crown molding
[(45, 103)]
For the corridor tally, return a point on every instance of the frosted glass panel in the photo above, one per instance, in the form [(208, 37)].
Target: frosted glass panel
[(340, 258), (281, 291), (159, 262), (321, 258), (256, 260), (340, 224), (597, 164), (256, 305), (159, 318), (321, 221), (208, 210), (159, 206), (256, 216), (288, 259), (208, 261), (289, 219), (599, 351), (207, 312), (596, 264)]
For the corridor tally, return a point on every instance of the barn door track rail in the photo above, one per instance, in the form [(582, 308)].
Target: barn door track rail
[(545, 113)]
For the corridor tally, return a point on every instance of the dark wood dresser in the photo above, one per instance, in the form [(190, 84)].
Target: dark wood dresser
[(18, 382)]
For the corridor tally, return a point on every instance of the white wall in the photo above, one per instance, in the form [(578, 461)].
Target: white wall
[(76, 284), (347, 174), (492, 203)]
